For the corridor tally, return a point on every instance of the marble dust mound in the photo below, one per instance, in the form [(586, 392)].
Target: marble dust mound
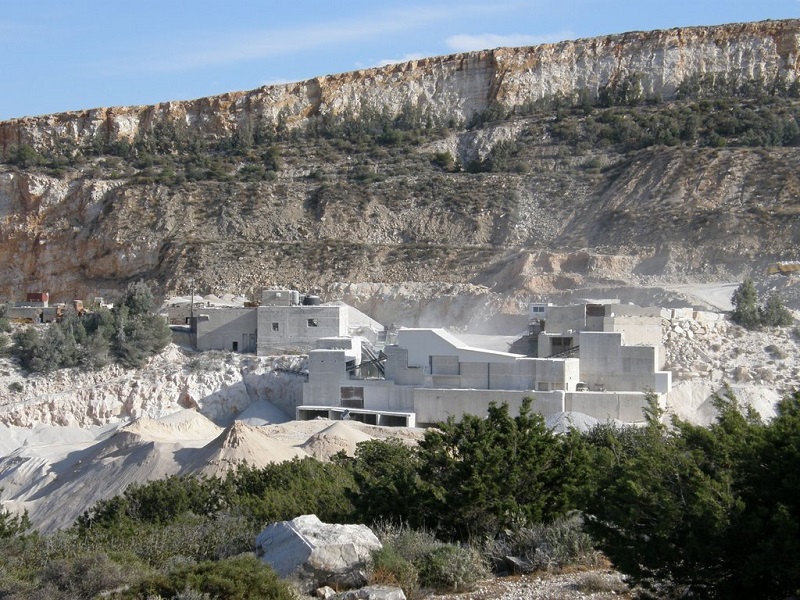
[(333, 439), (184, 425), (241, 443)]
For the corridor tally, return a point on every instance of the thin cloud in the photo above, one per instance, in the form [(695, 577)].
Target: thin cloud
[(403, 59), (276, 81), (467, 43), (237, 47)]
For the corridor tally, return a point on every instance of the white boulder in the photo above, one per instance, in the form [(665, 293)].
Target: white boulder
[(312, 554)]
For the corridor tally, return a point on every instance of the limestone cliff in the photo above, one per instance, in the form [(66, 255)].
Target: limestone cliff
[(410, 219), (456, 86)]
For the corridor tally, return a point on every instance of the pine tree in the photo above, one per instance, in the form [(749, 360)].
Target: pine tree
[(774, 313), (745, 305)]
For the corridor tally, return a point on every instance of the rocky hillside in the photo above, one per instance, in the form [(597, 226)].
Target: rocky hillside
[(628, 160)]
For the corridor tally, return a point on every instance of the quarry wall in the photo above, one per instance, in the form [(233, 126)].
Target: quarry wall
[(454, 87)]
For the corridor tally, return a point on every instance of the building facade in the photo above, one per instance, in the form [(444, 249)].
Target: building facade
[(431, 375)]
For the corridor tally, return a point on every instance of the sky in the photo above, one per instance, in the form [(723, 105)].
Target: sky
[(58, 56)]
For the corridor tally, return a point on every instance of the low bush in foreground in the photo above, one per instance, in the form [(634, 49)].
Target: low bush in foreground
[(240, 578), (415, 560), (543, 546)]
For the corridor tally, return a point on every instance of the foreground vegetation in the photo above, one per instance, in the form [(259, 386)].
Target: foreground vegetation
[(682, 510)]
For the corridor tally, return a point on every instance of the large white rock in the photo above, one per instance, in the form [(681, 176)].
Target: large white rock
[(312, 554)]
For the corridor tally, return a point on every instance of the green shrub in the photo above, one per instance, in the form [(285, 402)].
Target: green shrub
[(239, 578), (443, 160), (5, 344), (482, 474), (385, 472), (556, 545), (13, 525), (745, 305), (390, 568), (774, 313), (451, 568), (601, 583), (415, 558), (776, 352), (190, 538), (84, 575), (747, 313), (411, 544)]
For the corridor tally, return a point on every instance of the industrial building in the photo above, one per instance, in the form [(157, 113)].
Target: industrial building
[(284, 321), (586, 365), (596, 358), (36, 308)]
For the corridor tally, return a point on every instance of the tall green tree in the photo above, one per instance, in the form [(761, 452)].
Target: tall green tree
[(662, 512), (745, 305), (386, 473), (707, 512), (484, 474), (12, 524), (764, 541), (138, 298), (774, 313)]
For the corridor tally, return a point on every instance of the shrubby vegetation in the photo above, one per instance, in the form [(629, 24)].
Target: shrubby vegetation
[(417, 561), (5, 328), (237, 578), (128, 335), (709, 110), (12, 524), (706, 512), (748, 313)]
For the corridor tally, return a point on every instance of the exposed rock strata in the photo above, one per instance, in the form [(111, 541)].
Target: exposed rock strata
[(456, 86), (660, 214)]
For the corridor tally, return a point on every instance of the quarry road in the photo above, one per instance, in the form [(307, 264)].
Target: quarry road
[(716, 295)]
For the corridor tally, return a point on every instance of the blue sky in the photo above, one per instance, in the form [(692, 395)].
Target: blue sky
[(58, 56)]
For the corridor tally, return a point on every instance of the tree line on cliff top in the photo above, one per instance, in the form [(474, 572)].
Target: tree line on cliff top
[(682, 510), (709, 110)]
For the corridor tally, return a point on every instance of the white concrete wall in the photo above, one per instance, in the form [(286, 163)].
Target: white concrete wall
[(557, 373), (636, 330), (276, 297), (219, 328), (423, 343), (623, 406), (397, 368), (436, 405), (663, 382), (383, 395), (604, 361), (293, 330), (326, 374), (561, 319)]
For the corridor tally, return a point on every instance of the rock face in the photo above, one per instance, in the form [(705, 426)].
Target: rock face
[(414, 241), (314, 554), (218, 385), (456, 86)]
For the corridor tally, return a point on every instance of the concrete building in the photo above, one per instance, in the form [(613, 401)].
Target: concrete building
[(430, 375), (297, 328), (284, 321), (226, 328), (564, 325)]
